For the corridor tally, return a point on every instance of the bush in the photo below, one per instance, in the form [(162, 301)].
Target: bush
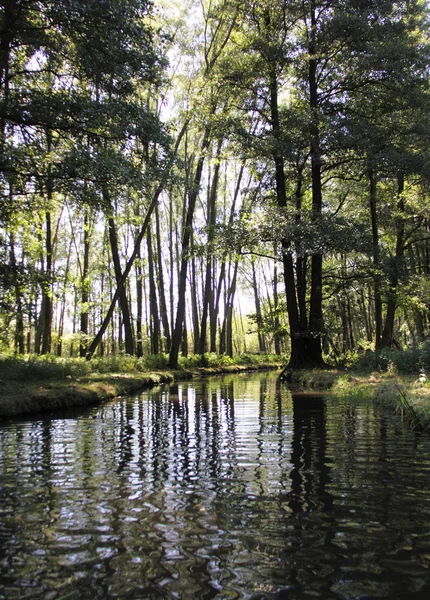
[(152, 362), (41, 368), (411, 361)]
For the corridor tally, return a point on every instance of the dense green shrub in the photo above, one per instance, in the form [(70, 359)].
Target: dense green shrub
[(38, 368), (411, 361)]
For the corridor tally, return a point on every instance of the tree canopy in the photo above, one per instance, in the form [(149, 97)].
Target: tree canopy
[(219, 176)]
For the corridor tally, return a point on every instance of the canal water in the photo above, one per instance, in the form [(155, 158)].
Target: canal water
[(225, 488)]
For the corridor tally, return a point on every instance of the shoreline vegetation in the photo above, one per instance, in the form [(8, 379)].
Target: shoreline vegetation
[(30, 386)]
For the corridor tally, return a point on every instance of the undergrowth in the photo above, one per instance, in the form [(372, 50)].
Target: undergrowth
[(49, 367), (411, 361)]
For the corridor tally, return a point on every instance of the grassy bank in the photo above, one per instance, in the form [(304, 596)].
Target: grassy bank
[(404, 386), (31, 385), (407, 394)]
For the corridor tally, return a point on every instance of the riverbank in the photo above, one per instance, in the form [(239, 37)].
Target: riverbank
[(407, 394), (31, 387), (20, 398)]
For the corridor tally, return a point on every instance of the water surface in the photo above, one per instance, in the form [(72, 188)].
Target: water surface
[(228, 488)]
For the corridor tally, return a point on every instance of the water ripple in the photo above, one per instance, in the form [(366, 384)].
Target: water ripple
[(222, 489)]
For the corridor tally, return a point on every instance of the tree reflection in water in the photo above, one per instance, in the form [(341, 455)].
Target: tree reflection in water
[(224, 488)]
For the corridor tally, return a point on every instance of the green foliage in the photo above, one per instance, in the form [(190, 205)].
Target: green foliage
[(412, 361), (416, 411), (37, 368), (212, 360)]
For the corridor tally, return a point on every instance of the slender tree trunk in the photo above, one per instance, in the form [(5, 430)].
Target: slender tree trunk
[(180, 312), (395, 267), (139, 307), (154, 319), (46, 309), (19, 316), (63, 302), (85, 287), (208, 293), (226, 335), (276, 321), (125, 309), (376, 256), (194, 302), (160, 280), (99, 336), (259, 316)]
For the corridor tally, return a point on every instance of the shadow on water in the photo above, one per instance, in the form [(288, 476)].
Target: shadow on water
[(225, 488)]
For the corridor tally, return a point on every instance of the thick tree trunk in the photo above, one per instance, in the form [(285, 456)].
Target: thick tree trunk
[(313, 341), (305, 345)]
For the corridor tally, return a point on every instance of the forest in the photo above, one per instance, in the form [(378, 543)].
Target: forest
[(214, 176)]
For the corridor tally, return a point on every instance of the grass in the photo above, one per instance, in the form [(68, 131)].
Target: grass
[(410, 395), (34, 384)]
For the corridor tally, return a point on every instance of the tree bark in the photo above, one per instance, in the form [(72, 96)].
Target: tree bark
[(313, 341), (19, 316), (99, 336), (376, 256), (160, 280), (85, 291), (182, 284), (396, 265), (154, 319), (123, 300), (208, 294)]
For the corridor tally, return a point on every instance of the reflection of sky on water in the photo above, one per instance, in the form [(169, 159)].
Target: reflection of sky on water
[(225, 488)]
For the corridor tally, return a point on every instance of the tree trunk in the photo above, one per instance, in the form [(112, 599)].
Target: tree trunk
[(313, 340), (396, 265), (258, 313), (153, 304), (276, 321), (208, 293), (125, 309), (160, 280), (46, 308), (19, 316), (139, 307), (85, 287), (182, 284), (226, 335), (376, 256), (195, 312)]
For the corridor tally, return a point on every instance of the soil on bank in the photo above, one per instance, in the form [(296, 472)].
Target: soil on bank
[(19, 398)]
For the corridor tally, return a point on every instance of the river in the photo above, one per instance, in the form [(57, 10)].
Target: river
[(226, 488)]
